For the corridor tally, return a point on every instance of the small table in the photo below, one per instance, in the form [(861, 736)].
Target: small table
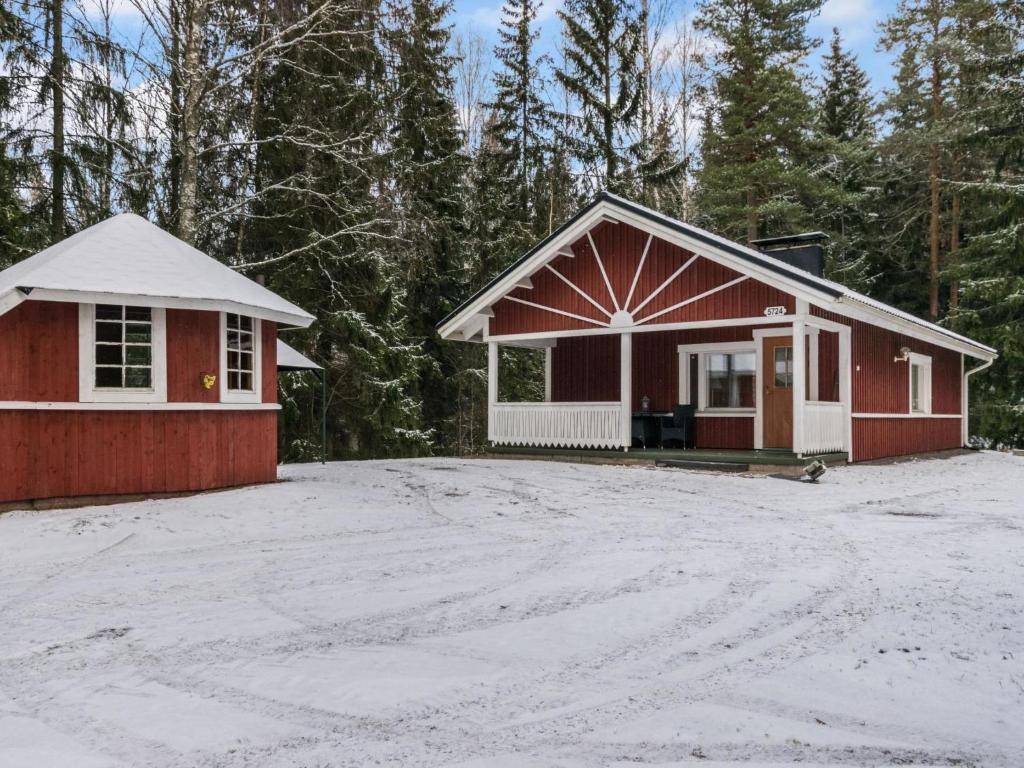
[(646, 428)]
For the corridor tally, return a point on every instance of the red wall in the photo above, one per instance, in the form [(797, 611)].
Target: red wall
[(621, 247), (193, 348), (84, 453), (881, 438), (269, 374), (39, 352)]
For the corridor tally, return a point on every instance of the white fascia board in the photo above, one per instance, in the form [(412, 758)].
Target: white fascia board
[(170, 302), (527, 268), (850, 307), (10, 300), (605, 210)]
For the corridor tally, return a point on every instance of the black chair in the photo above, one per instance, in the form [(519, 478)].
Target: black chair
[(680, 427)]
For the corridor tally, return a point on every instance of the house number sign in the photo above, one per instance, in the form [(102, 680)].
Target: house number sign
[(774, 311)]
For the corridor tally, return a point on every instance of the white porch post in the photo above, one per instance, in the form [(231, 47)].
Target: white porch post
[(547, 374), (799, 385), (626, 386), (846, 389), (492, 385)]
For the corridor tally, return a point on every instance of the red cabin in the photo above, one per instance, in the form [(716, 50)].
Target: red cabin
[(131, 363), (641, 314)]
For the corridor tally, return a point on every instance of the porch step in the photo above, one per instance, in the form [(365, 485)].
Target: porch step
[(709, 466)]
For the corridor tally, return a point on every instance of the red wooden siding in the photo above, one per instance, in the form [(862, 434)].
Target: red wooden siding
[(726, 432), (49, 454), (193, 348), (828, 366), (585, 369), (881, 438), (39, 352), (269, 374), (621, 247)]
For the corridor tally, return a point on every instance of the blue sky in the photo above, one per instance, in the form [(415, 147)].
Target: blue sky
[(857, 21)]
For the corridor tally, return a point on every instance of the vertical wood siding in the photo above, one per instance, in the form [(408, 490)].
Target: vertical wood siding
[(828, 366), (39, 352), (882, 438), (193, 348), (49, 454), (269, 373), (725, 432), (585, 369), (621, 247)]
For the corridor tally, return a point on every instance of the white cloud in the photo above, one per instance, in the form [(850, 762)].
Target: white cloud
[(836, 12)]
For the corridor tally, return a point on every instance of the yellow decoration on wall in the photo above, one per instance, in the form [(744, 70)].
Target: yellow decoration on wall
[(209, 379)]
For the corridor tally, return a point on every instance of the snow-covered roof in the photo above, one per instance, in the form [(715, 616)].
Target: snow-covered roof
[(127, 258), (290, 359), (825, 293)]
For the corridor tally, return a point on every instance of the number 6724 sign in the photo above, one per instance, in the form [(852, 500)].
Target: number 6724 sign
[(774, 311)]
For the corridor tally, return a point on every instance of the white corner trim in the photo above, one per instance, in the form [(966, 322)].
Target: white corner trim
[(23, 405), (89, 393), (10, 300), (256, 395)]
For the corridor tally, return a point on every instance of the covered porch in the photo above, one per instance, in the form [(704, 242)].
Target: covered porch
[(781, 385)]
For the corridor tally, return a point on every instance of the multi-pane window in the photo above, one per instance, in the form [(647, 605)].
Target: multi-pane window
[(124, 347), (920, 384), (783, 367), (240, 343), (730, 379)]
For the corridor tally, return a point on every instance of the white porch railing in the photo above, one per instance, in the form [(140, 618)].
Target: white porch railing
[(824, 428), (556, 425)]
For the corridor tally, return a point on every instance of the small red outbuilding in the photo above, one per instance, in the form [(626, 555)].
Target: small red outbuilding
[(639, 314), (132, 363)]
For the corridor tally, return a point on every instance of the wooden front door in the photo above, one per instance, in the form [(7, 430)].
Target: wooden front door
[(777, 377)]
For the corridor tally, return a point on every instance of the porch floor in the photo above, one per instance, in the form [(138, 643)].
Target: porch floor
[(675, 456)]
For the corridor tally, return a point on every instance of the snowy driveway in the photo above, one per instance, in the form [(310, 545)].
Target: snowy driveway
[(505, 613)]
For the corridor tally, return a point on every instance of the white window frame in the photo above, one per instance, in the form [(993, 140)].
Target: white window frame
[(702, 351), (88, 392), (233, 396), (925, 363)]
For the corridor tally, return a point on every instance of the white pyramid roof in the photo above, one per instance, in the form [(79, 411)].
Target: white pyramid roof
[(290, 359), (127, 259)]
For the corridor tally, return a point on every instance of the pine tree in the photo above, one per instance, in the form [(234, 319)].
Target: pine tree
[(756, 175), (847, 146), (15, 222), (601, 74)]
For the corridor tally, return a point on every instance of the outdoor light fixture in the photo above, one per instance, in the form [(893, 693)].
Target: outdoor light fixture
[(814, 470), (904, 355)]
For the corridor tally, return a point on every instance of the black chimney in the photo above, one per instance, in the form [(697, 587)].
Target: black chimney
[(805, 251)]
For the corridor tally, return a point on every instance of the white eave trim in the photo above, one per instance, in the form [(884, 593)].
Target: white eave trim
[(10, 300), (303, 320), (602, 212)]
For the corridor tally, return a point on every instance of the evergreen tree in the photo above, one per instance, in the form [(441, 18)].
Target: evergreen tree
[(15, 223), (428, 173), (756, 176), (601, 75), (991, 270), (319, 228), (847, 143)]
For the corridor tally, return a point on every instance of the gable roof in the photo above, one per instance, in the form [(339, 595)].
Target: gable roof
[(826, 294), (127, 258), (290, 359)]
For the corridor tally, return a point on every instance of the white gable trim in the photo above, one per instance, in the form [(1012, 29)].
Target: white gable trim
[(10, 300), (847, 305)]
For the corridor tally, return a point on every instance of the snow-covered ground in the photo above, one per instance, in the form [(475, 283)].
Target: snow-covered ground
[(514, 613)]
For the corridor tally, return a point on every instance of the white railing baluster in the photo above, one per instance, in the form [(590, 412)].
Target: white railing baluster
[(823, 427), (557, 425)]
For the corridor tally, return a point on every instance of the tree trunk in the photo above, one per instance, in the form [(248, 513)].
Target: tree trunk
[(192, 84), (57, 84), (934, 227), (752, 223)]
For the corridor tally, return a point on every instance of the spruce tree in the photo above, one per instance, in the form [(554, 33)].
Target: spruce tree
[(428, 172), (601, 75), (846, 140), (756, 176)]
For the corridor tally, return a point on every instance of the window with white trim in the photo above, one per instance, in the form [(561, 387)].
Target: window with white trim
[(122, 354), (240, 343), (124, 348), (240, 358), (730, 379), (920, 383)]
